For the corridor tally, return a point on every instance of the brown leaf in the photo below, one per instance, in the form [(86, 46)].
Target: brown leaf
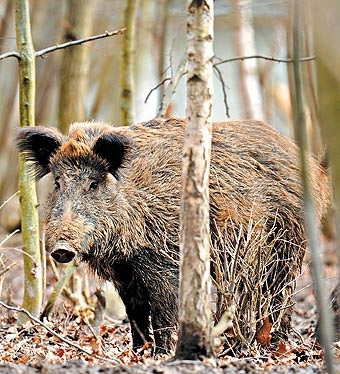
[(24, 359), (282, 349), (263, 335), (59, 352), (96, 344)]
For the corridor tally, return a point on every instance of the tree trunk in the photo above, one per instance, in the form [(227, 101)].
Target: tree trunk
[(33, 288), (313, 235), (244, 41), (194, 339), (127, 110), (75, 64)]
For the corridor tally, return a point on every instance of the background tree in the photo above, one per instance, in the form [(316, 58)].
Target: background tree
[(127, 99), (194, 293), (244, 42), (75, 63)]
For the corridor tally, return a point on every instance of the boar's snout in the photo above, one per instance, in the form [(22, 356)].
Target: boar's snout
[(62, 252)]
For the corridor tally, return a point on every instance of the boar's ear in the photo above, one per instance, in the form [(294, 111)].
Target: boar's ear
[(38, 144), (114, 149)]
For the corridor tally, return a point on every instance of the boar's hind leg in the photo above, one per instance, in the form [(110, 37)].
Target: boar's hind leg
[(288, 248)]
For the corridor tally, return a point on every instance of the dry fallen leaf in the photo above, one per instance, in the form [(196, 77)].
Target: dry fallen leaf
[(263, 335), (282, 349), (59, 352)]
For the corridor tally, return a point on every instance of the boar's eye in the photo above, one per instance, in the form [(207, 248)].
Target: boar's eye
[(93, 185), (57, 184)]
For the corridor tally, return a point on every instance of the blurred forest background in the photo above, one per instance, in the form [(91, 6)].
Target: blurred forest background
[(86, 82)]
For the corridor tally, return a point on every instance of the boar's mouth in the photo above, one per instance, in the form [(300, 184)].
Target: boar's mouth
[(63, 253)]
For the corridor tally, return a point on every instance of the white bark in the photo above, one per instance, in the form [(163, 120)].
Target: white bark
[(194, 314)]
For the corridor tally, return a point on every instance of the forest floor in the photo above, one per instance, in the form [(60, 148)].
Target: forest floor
[(53, 347)]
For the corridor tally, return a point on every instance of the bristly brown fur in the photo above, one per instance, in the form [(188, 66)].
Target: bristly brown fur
[(124, 221)]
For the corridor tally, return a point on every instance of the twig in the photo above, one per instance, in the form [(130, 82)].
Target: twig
[(155, 88), (268, 58), (223, 85), (64, 340), (10, 54), (171, 87), (58, 288), (72, 43), (9, 199), (9, 267), (8, 237), (106, 34)]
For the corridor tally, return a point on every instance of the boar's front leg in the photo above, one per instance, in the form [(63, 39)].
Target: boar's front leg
[(138, 312), (160, 276), (135, 299)]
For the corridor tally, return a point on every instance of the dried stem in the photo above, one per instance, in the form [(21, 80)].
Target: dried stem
[(58, 289)]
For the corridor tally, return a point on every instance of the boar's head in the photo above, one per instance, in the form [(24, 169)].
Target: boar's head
[(87, 209)]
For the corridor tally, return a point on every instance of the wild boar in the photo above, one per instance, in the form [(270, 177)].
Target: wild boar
[(116, 201)]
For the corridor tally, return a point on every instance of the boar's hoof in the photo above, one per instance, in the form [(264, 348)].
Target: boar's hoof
[(63, 253)]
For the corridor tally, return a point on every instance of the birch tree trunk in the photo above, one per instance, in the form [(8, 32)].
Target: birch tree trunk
[(244, 41), (127, 103), (33, 288), (194, 339), (75, 64)]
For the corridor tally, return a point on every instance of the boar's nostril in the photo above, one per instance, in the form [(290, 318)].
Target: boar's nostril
[(63, 254)]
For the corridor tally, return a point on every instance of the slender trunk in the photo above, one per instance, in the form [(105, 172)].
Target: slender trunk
[(312, 230), (145, 62), (127, 110), (75, 64), (28, 199), (194, 339), (244, 41)]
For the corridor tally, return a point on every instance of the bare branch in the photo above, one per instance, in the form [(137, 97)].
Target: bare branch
[(8, 237), (223, 85), (9, 199), (155, 88), (171, 87), (106, 34), (9, 267), (268, 58), (72, 43), (61, 338), (10, 54)]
